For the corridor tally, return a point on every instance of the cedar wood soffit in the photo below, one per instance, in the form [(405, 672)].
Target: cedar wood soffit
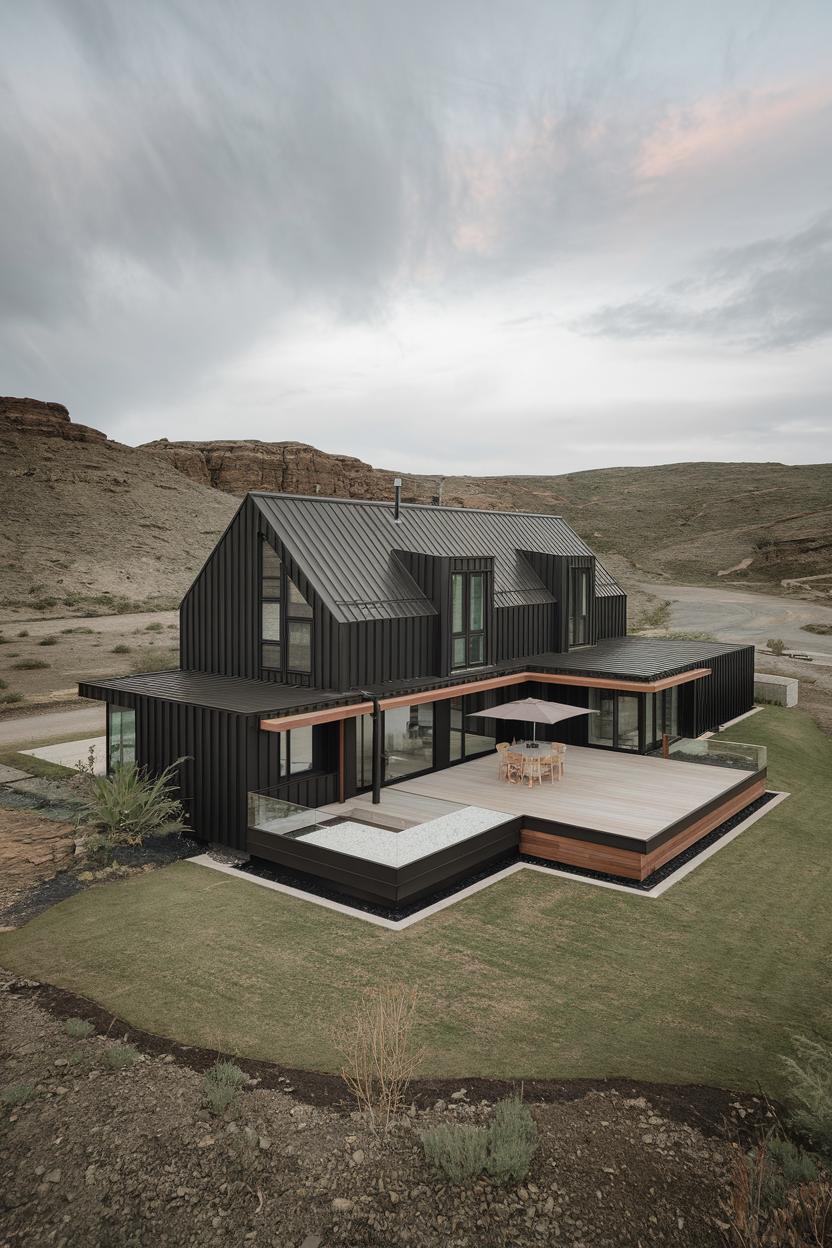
[(285, 723)]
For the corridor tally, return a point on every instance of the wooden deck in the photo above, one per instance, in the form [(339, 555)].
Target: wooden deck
[(626, 795)]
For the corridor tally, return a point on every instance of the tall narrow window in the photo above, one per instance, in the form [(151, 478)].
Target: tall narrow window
[(285, 619), (579, 595), (271, 586), (298, 630), (467, 620)]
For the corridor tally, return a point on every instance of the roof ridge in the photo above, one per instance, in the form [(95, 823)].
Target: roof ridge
[(382, 502)]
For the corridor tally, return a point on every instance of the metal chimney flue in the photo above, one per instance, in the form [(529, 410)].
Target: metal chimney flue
[(397, 498)]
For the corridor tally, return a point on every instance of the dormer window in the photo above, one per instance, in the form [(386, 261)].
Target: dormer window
[(285, 619), (467, 620)]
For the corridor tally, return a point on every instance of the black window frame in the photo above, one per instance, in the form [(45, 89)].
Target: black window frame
[(578, 576), (292, 615), (471, 638)]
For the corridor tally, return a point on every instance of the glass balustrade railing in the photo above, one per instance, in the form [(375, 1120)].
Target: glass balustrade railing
[(717, 752)]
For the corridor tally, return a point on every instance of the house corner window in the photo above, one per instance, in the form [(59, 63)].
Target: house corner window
[(467, 620), (121, 736), (285, 619)]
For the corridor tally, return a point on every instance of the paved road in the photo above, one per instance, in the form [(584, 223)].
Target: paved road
[(738, 615), (89, 721)]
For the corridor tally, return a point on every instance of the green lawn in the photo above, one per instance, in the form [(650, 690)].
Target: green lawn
[(534, 976)]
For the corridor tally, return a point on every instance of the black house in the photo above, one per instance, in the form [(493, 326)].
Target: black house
[(317, 621)]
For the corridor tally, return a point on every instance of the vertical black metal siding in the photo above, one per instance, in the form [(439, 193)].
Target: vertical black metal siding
[(610, 617), (220, 615), (524, 631), (714, 700)]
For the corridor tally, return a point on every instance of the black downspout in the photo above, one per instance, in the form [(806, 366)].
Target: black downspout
[(378, 757), (378, 751)]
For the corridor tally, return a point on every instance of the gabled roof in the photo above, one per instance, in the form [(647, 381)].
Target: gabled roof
[(346, 548)]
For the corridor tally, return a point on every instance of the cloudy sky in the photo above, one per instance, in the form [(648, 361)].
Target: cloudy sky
[(444, 235)]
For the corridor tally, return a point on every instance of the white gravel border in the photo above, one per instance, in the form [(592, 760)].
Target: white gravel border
[(205, 860)]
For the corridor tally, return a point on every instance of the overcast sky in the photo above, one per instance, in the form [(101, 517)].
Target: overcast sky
[(446, 236)]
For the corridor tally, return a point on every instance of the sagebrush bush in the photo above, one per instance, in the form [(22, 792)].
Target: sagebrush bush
[(155, 627), (227, 1074), (48, 641), (220, 1086), (129, 805), (788, 1167), (30, 665), (121, 1056), (121, 649), (457, 1150), (11, 697), (504, 1149), (809, 1079), (78, 1028), (17, 1094), (776, 645), (4, 684), (512, 1141), (217, 1097)]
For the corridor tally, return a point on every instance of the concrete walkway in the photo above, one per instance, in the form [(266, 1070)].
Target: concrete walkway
[(26, 730)]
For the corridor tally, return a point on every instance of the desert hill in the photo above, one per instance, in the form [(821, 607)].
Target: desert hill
[(757, 524), (84, 516)]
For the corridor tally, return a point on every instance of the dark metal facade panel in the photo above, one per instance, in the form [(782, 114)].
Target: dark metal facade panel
[(347, 549), (704, 705), (521, 631), (610, 615), (220, 614)]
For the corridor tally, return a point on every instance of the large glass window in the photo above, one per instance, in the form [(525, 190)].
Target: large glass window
[(285, 620), (579, 599), (661, 716), (467, 620), (408, 740), (121, 736), (299, 751), (602, 724), (615, 723), (364, 751), (466, 741), (628, 720)]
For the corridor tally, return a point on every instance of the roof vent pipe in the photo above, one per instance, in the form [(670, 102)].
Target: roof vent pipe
[(397, 498)]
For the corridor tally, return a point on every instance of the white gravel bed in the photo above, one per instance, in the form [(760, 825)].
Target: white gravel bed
[(397, 849)]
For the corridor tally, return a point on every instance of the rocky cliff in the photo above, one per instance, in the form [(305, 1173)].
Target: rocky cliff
[(49, 420), (287, 467)]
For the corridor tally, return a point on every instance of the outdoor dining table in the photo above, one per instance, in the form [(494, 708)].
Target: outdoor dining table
[(531, 752)]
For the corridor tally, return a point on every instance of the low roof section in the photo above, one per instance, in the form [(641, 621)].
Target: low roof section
[(236, 694)]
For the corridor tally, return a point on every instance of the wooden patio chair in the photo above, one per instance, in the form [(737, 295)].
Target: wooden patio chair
[(552, 764), (514, 767), (502, 759)]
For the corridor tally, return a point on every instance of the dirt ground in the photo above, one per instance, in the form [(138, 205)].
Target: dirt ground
[(83, 648), (98, 1156)]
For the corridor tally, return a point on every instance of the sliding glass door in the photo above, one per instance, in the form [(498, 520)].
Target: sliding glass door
[(615, 724)]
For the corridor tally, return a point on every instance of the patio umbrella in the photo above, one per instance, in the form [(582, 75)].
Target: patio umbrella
[(534, 711)]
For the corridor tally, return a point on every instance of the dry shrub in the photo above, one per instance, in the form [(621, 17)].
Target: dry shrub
[(379, 1056), (802, 1220)]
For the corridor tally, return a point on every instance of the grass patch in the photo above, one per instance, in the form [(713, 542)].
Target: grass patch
[(155, 627), (68, 631), (121, 648), (6, 699), (121, 1056), (155, 659), (657, 616), (78, 1028), (16, 1094), (48, 641), (820, 630), (536, 976), (30, 665)]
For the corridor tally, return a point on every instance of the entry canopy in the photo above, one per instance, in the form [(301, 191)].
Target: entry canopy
[(533, 711)]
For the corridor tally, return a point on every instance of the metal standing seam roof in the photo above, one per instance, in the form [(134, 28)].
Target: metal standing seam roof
[(346, 548), (237, 694)]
